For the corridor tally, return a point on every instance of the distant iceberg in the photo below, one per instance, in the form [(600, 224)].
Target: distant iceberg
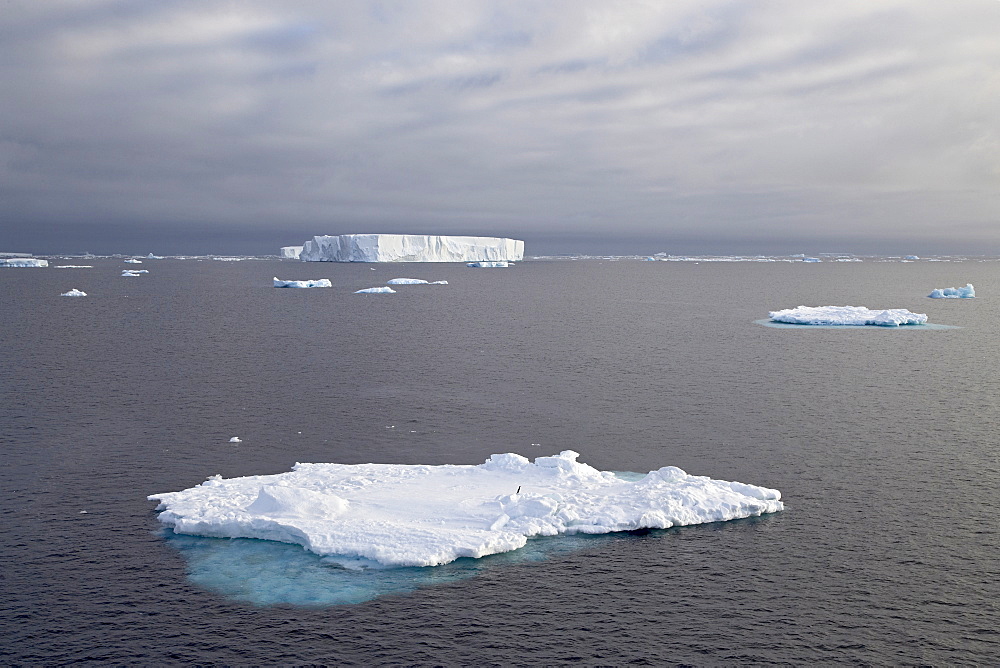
[(386, 290), (313, 283), (409, 248), (74, 293), (811, 259), (968, 292), (406, 281), (414, 515), (132, 260), (847, 315), (23, 262), (290, 252)]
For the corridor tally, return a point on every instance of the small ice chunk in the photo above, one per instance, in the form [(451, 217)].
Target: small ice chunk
[(811, 259), (134, 272), (132, 260), (488, 265), (385, 290), (847, 315), (968, 292), (74, 293), (235, 439), (406, 281), (309, 283)]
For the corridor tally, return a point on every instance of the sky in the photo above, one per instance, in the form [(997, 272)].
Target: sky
[(580, 126)]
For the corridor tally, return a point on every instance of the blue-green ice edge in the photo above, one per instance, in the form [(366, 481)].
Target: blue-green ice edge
[(268, 573), (785, 325)]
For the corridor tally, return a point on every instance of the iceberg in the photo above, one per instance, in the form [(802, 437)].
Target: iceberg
[(23, 262), (415, 515), (311, 283), (376, 291), (409, 248), (847, 315), (74, 293), (132, 260), (134, 272), (406, 281), (290, 252), (968, 292)]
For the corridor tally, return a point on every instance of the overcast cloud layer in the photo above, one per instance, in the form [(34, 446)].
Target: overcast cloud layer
[(181, 126)]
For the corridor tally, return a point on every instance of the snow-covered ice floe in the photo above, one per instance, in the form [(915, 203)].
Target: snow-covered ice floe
[(414, 515), (74, 266), (385, 290), (23, 262), (847, 315), (409, 248), (968, 292), (489, 265), (134, 272), (132, 260), (312, 283), (74, 293), (414, 281)]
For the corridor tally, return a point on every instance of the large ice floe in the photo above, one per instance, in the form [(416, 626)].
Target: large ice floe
[(383, 290), (409, 248), (968, 292), (23, 262), (847, 315), (309, 283), (415, 515)]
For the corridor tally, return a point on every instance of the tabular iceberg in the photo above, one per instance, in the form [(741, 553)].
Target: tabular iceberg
[(412, 515), (290, 252), (384, 290), (847, 315), (311, 283), (23, 262), (409, 248), (968, 292)]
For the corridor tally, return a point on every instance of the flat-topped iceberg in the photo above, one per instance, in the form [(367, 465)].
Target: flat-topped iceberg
[(384, 290), (968, 292), (414, 515), (23, 262), (847, 315), (290, 252), (409, 248), (74, 293), (309, 283)]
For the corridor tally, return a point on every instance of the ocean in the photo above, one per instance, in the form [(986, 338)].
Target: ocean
[(883, 442)]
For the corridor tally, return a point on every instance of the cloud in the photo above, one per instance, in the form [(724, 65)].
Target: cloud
[(653, 119)]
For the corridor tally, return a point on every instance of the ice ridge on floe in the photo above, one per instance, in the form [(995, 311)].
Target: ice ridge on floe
[(415, 515), (309, 283), (968, 292), (848, 315)]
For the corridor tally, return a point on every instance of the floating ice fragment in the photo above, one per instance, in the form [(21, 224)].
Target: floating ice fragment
[(414, 515), (968, 292), (310, 283), (847, 315), (406, 281), (74, 293), (386, 290), (74, 266), (235, 439), (132, 260), (488, 265)]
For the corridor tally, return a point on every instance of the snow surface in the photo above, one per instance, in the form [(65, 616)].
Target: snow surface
[(415, 515), (847, 315), (290, 252), (310, 283), (409, 248), (968, 292), (23, 262), (74, 293), (376, 291)]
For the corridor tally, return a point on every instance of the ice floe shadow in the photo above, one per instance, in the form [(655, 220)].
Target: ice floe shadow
[(785, 325), (267, 573)]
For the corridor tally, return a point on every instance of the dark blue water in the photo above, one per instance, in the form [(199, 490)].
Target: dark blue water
[(883, 442)]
